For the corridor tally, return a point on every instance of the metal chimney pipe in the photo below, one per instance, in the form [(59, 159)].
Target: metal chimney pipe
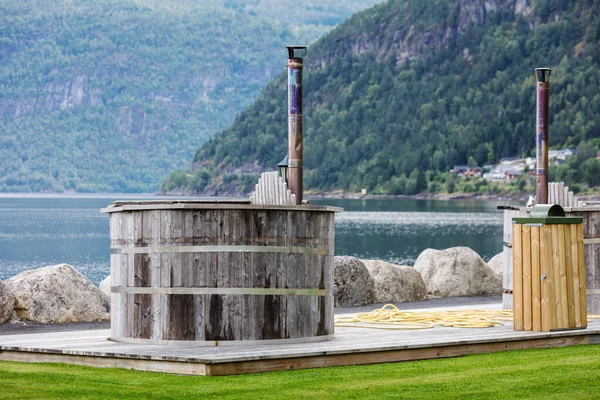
[(295, 150), (542, 76)]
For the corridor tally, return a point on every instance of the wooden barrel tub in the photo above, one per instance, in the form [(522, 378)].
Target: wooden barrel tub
[(189, 272)]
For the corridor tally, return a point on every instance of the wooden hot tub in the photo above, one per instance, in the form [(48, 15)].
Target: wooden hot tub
[(220, 272)]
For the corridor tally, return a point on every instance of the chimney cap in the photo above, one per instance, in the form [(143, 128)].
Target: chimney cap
[(543, 74), (296, 51)]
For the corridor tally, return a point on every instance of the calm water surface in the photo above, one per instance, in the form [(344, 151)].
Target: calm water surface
[(40, 231)]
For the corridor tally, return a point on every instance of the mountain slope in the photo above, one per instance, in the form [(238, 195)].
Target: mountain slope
[(109, 95), (412, 85)]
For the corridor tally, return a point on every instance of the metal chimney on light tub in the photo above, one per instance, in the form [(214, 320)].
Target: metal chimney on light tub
[(542, 76)]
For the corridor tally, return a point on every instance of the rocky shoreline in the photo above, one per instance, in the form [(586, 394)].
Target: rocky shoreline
[(339, 195), (60, 294), (516, 198)]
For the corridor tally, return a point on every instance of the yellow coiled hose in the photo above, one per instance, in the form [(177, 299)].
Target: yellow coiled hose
[(390, 317)]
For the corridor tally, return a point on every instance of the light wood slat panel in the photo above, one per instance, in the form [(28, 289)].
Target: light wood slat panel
[(562, 269), (576, 278), (536, 308), (546, 288), (517, 277), (526, 277), (570, 282), (582, 270)]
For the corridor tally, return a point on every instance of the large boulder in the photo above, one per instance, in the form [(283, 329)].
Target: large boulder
[(105, 286), (7, 303), (353, 284), (457, 271), (496, 263), (395, 283), (57, 294)]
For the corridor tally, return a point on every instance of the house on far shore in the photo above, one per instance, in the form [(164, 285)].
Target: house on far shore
[(504, 172), (558, 157), (465, 171)]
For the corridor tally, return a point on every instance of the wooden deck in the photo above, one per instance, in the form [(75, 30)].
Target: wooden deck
[(350, 347)]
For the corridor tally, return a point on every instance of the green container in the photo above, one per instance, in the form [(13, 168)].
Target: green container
[(547, 214)]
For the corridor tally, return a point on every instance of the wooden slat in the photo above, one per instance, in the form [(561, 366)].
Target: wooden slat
[(561, 191), (562, 269), (259, 220), (526, 261), (507, 267), (591, 231), (576, 278), (536, 308), (116, 280), (547, 280), (572, 202), (294, 230), (247, 267), (557, 281), (507, 276), (127, 265), (566, 231), (582, 269), (517, 277)]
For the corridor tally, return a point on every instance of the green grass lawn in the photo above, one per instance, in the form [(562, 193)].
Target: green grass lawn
[(564, 373)]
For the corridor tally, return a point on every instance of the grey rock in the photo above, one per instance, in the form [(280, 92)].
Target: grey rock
[(395, 283), (105, 286), (354, 285), (57, 294), (496, 263), (457, 271), (7, 302)]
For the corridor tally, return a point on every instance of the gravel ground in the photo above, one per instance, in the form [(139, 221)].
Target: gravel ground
[(19, 327), (431, 302), (22, 327)]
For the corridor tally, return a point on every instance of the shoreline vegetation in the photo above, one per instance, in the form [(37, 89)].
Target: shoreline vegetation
[(522, 197)]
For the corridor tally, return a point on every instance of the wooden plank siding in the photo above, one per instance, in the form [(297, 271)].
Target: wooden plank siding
[(507, 276), (590, 276), (548, 292)]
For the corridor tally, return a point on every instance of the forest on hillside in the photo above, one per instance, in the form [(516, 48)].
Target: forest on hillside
[(110, 95), (411, 87)]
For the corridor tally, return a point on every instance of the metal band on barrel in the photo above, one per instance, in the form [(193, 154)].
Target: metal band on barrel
[(220, 291), (218, 249)]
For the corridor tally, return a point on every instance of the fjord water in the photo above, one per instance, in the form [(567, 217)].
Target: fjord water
[(40, 231)]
